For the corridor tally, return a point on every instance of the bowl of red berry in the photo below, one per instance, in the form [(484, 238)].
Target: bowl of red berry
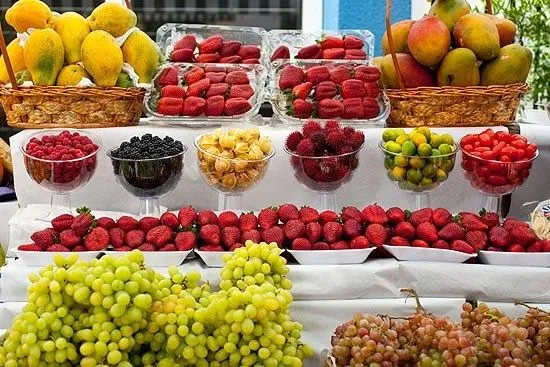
[(324, 158), (60, 161), (496, 163)]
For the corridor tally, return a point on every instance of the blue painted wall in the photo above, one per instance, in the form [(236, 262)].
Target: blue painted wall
[(363, 14)]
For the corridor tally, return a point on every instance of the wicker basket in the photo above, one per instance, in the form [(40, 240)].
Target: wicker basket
[(75, 107), (451, 106)]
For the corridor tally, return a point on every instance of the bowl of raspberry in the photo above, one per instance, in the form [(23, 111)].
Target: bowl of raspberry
[(60, 161)]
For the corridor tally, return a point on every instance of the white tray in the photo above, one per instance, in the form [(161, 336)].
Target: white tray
[(406, 253), (43, 258), (157, 258), (212, 259), (331, 257), (539, 259)]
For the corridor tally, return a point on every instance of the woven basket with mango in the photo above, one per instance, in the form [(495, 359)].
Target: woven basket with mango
[(65, 70), (478, 82)]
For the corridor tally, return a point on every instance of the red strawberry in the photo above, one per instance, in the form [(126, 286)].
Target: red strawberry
[(251, 235), (62, 222), (328, 216), (167, 219), (217, 89), (211, 44), (249, 52), (353, 88), (237, 77), (472, 222), (494, 249), (294, 228), (309, 52), (194, 75), (376, 234), (462, 246), (317, 74), (353, 108), (80, 248), (241, 91), (373, 90), (186, 42), (287, 212), (301, 244), (406, 230), (427, 232), (228, 219), (340, 74), (44, 238), (147, 247), (371, 108), (490, 218), (302, 91), (333, 54), (97, 239), (511, 223), (169, 247), (395, 215), (198, 88), (29, 247), (314, 231), (116, 237), (330, 108), (134, 238), (210, 234), (185, 241), (268, 218), (499, 236), (214, 106), (320, 246), (215, 77), (351, 212), (251, 61), (187, 216), (308, 214), (367, 74), (60, 248), (340, 245), (127, 223), (535, 247), (441, 217), (420, 243), (208, 58), (353, 42), (230, 236), (236, 106), (170, 106), (82, 223), (374, 214), (230, 48), (515, 248), (355, 55), (247, 222), (399, 241), (69, 239), (290, 77), (105, 222), (274, 234), (118, 249), (148, 223), (182, 55), (451, 232), (332, 231), (160, 236), (441, 244), (351, 229), (477, 239), (281, 52), (331, 42), (545, 245), (420, 216), (194, 106), (325, 90), (359, 242), (301, 109), (168, 76), (207, 217), (523, 235)]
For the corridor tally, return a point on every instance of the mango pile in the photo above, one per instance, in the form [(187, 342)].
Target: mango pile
[(61, 49), (452, 46)]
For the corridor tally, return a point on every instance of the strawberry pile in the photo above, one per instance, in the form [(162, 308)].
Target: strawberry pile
[(204, 90), (330, 91), (329, 48), (497, 162), (214, 49)]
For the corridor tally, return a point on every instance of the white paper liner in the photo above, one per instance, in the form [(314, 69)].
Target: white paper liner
[(537, 259), (406, 253)]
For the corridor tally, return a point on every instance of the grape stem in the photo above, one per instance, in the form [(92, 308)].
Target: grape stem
[(412, 293), (530, 307)]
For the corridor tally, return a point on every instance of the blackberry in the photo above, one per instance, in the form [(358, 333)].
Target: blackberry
[(148, 147)]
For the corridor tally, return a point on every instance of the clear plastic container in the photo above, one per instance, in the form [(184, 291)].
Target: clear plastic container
[(256, 74)]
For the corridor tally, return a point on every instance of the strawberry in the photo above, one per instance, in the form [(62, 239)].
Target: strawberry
[(147, 247), (333, 54), (399, 241), (106, 222), (511, 223), (118, 249), (62, 222), (251, 235), (317, 74), (235, 59), (205, 217), (247, 222), (187, 216), (287, 212), (426, 231), (420, 216), (494, 249), (44, 238), (330, 108), (452, 231), (186, 42), (491, 219), (230, 48), (328, 216), (182, 55), (134, 238), (69, 239), (523, 235), (314, 231), (160, 235), (193, 106), (332, 231), (374, 214), (462, 246), (170, 106), (194, 75), (373, 90), (116, 237), (355, 55), (320, 246), (376, 234), (515, 248), (331, 42), (185, 241), (29, 247), (208, 58), (293, 139), (420, 243), (353, 88), (281, 53), (290, 77), (535, 247), (127, 223), (228, 219), (215, 69), (210, 233), (405, 230), (301, 244), (211, 44), (214, 106), (367, 74), (325, 90), (97, 239), (477, 239), (545, 245), (351, 212), (395, 215), (302, 91), (82, 222), (308, 215), (198, 88), (441, 217), (441, 244), (168, 219), (309, 52), (353, 42), (359, 242), (353, 108), (274, 234), (168, 76), (237, 77), (230, 236), (249, 52), (340, 245), (236, 106), (340, 74), (60, 248), (215, 77), (251, 61), (294, 228), (169, 247), (351, 229), (499, 236), (268, 218), (217, 89), (241, 91), (472, 222), (301, 109), (148, 223), (371, 108)]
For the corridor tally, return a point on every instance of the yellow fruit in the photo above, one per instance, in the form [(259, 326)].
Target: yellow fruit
[(112, 18), (17, 60), (71, 75), (26, 14), (143, 54), (102, 58), (72, 28), (418, 138), (44, 56), (53, 19)]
